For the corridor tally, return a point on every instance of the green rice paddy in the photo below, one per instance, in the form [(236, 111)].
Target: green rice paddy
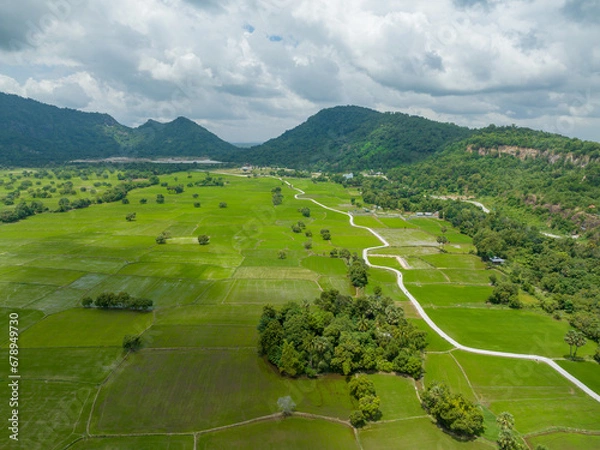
[(198, 368)]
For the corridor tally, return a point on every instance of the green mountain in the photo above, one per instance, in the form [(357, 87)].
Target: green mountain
[(353, 138), (552, 179), (33, 133)]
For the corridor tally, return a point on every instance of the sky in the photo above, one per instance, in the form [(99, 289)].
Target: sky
[(249, 70)]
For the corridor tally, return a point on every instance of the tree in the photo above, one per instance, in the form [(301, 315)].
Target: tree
[(369, 406), (143, 201), (203, 239), (281, 254), (452, 411), (357, 272), (308, 245), (507, 440), (442, 240), (130, 217), (290, 359), (361, 386), (132, 343), (286, 405), (196, 204), (162, 237), (160, 198), (597, 355), (87, 302), (504, 293), (125, 201), (357, 419), (305, 212), (326, 236), (222, 205), (574, 339)]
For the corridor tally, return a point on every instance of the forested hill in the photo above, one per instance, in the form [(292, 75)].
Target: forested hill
[(354, 138), (548, 176), (33, 134)]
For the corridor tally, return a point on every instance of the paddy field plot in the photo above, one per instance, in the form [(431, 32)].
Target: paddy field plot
[(204, 389), (414, 434), (505, 329), (566, 441), (137, 443), (294, 433), (432, 295), (536, 395)]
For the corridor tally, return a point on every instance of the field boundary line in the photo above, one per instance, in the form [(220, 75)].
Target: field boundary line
[(430, 322), (465, 375)]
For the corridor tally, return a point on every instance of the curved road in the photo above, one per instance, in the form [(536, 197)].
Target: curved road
[(431, 323)]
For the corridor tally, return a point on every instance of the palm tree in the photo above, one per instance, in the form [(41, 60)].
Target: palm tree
[(505, 421)]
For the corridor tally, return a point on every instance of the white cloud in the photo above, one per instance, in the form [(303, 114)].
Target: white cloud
[(250, 70)]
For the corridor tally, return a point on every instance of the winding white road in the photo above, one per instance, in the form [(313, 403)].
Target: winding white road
[(431, 323)]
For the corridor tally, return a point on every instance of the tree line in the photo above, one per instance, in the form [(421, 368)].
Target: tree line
[(122, 300)]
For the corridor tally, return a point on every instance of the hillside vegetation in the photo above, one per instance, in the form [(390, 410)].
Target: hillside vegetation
[(33, 134), (355, 138)]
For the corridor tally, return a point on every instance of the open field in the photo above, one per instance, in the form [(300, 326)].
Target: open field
[(414, 434), (505, 330), (291, 433), (199, 344)]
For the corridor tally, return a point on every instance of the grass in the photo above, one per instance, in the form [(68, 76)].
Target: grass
[(414, 434), (290, 433), (586, 371), (536, 395), (398, 396), (443, 367), (566, 441), (199, 355), (85, 328), (49, 411), (136, 443), (505, 330), (450, 295), (452, 261), (203, 336), (274, 291), (434, 342), (205, 389), (83, 365)]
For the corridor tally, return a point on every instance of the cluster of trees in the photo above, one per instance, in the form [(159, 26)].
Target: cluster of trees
[(338, 333), (362, 391), (298, 227), (162, 237), (21, 211), (64, 204), (210, 181), (453, 412), (326, 234), (304, 211), (175, 189), (505, 293), (122, 300), (277, 196)]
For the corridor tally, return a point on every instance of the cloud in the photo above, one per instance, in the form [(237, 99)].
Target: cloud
[(250, 70)]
